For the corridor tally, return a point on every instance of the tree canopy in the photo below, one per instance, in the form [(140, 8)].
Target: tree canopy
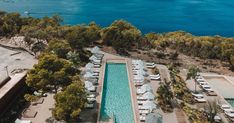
[(70, 102), (50, 73)]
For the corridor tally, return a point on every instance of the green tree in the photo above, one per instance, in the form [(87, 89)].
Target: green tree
[(70, 102), (50, 73), (121, 35), (59, 47), (192, 73)]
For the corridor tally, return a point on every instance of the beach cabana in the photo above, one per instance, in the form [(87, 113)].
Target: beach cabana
[(148, 96), (153, 118), (149, 105)]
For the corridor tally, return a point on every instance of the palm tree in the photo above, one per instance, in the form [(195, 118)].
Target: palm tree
[(193, 71)]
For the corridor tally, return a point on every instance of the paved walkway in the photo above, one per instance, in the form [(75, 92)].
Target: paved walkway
[(43, 110)]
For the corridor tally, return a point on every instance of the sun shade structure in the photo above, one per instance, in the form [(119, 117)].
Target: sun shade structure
[(88, 75), (142, 72), (22, 121), (139, 78), (149, 105), (89, 66), (148, 96), (153, 118), (92, 58), (144, 88), (95, 50), (89, 86)]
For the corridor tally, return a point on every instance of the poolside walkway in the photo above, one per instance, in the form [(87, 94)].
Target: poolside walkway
[(43, 110)]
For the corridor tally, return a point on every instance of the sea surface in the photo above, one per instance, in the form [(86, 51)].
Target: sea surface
[(199, 17)]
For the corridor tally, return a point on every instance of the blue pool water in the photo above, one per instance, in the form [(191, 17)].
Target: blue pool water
[(231, 102), (116, 97), (200, 17)]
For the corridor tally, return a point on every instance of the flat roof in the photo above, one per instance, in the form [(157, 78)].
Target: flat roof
[(10, 84)]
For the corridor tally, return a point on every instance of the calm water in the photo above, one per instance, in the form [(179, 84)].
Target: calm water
[(200, 17), (116, 97)]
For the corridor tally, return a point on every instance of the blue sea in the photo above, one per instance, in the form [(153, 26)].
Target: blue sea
[(199, 17)]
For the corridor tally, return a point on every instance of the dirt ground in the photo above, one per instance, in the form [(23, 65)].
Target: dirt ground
[(205, 65)]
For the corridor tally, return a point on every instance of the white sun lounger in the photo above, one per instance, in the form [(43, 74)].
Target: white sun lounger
[(149, 63), (140, 102), (198, 95), (150, 66), (87, 105), (142, 118), (91, 96), (230, 113), (200, 100), (203, 83), (144, 112), (142, 108), (154, 75), (140, 98), (96, 65), (155, 78), (92, 99), (200, 80)]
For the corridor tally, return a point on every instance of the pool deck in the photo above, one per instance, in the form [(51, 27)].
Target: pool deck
[(118, 59)]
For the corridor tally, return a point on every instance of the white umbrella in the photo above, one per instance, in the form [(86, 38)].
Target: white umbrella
[(146, 87), (89, 85), (142, 72), (153, 118), (149, 105), (89, 66), (138, 77), (92, 58), (88, 75), (148, 95), (95, 49)]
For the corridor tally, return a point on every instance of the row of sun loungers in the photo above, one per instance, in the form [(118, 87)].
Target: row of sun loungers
[(205, 86), (228, 111), (90, 75), (145, 97)]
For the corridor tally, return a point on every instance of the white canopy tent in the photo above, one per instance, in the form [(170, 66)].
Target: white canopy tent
[(153, 118), (88, 75), (89, 86), (141, 72), (22, 121), (89, 66), (144, 88), (95, 50), (149, 105), (148, 96), (139, 78), (93, 57)]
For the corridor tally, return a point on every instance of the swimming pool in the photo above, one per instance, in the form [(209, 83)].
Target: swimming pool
[(231, 102), (116, 97)]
